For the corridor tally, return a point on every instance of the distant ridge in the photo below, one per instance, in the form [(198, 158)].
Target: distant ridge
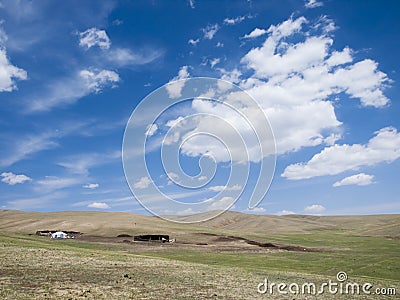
[(114, 223)]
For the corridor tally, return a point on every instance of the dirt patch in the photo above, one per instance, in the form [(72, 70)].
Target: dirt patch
[(231, 238), (124, 235), (215, 243)]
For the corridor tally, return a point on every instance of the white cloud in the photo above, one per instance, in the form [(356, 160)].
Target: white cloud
[(313, 3), (142, 183), (315, 208), (363, 80), (383, 147), (151, 129), (223, 203), (304, 62), (210, 31), (68, 90), (219, 45), (94, 37), (96, 80), (219, 188), (233, 21), (358, 179), (9, 73), (28, 145), (293, 81), (23, 147), (191, 3), (202, 178), (91, 186), (294, 74), (175, 122), (214, 61), (51, 183), (285, 212), (256, 210), (174, 89), (255, 33), (185, 212), (101, 205), (173, 175), (325, 24), (12, 179), (193, 42), (286, 28), (80, 164), (122, 57), (231, 76)]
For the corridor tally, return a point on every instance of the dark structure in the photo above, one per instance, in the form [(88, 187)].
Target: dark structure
[(151, 238)]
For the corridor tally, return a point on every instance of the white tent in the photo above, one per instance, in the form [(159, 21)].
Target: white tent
[(59, 235)]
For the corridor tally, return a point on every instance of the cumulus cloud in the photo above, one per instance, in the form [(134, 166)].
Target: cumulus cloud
[(315, 209), (233, 21), (94, 37), (96, 80), (214, 61), (358, 179), (12, 179), (173, 175), (210, 31), (295, 74), (193, 42), (293, 81), (174, 89), (288, 67), (313, 3), (9, 73), (255, 33), (285, 212), (100, 205), (151, 129), (383, 147), (142, 183), (91, 186)]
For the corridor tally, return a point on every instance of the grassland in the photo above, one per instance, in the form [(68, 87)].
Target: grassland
[(32, 267)]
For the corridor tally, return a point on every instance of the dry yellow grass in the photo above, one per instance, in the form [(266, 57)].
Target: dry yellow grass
[(111, 224)]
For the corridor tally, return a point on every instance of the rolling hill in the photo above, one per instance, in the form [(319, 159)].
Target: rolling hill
[(113, 223)]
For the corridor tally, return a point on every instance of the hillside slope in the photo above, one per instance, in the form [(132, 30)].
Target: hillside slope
[(113, 223)]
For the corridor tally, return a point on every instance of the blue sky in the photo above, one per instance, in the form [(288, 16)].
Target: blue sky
[(325, 74)]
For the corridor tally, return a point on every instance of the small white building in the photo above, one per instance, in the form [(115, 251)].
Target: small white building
[(59, 235)]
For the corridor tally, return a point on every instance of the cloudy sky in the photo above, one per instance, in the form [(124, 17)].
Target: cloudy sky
[(325, 73)]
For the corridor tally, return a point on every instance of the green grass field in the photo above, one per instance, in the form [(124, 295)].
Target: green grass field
[(203, 264), (40, 268)]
